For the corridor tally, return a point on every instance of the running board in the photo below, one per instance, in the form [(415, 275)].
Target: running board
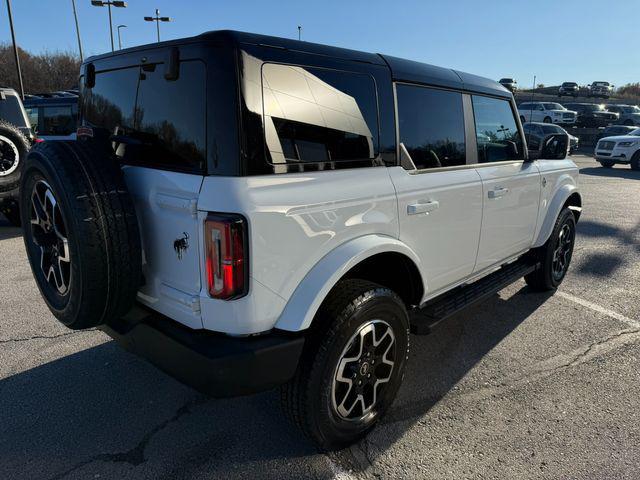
[(424, 319)]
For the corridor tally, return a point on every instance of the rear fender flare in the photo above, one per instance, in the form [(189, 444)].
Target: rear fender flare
[(311, 292)]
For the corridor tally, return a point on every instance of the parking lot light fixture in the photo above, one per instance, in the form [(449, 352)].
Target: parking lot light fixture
[(115, 3), (119, 37), (157, 19)]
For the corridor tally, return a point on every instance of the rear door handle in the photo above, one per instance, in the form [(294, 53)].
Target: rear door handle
[(498, 192), (422, 207)]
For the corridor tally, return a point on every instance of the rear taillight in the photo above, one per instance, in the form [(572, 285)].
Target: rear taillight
[(38, 140), (226, 255)]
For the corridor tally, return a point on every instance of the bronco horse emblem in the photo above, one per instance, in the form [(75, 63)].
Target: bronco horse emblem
[(181, 244)]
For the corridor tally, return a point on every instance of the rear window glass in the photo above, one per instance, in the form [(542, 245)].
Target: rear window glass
[(110, 103), (314, 115), (58, 120), (10, 111)]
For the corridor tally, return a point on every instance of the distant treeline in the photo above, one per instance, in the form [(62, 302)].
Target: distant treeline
[(45, 72)]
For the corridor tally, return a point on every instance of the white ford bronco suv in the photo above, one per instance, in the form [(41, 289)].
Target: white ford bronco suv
[(248, 212)]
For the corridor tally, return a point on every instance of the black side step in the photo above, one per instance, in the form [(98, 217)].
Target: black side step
[(435, 311)]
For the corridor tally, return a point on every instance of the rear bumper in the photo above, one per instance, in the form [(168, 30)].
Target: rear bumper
[(215, 364)]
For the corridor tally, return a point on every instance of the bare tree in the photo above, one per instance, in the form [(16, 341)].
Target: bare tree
[(45, 72)]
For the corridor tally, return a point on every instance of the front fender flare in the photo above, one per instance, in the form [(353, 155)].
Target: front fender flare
[(311, 292), (553, 210)]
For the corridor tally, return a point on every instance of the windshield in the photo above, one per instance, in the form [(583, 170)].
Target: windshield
[(635, 133), (632, 109), (600, 84), (553, 106), (569, 84), (506, 80)]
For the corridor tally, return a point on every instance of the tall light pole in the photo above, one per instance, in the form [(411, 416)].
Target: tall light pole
[(299, 32), (15, 49), (75, 16), (157, 19), (119, 38), (115, 3)]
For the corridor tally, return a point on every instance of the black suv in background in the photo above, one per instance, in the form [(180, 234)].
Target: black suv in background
[(592, 115), (16, 138), (53, 118), (569, 88)]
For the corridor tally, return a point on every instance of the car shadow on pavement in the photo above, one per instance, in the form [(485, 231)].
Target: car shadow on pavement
[(439, 361), (619, 172), (7, 231), (102, 409)]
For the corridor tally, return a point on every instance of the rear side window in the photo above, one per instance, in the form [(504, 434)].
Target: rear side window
[(58, 120), (322, 116), (497, 133), (170, 118), (431, 125)]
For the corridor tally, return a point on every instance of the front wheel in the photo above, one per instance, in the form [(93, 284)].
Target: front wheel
[(635, 161), (352, 366), (547, 120), (607, 164), (555, 254)]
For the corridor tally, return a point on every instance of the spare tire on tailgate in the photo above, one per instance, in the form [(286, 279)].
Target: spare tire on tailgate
[(80, 232), (13, 151)]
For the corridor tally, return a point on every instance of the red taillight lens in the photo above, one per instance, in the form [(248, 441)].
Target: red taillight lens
[(38, 140), (226, 255)]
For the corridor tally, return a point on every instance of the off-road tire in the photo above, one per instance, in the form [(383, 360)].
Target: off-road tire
[(307, 398), (635, 161), (543, 279), (607, 164), (99, 219), (12, 133)]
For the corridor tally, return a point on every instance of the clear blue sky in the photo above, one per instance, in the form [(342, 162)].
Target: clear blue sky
[(557, 40)]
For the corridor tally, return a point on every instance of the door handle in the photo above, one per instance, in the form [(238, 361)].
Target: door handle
[(498, 192), (422, 207)]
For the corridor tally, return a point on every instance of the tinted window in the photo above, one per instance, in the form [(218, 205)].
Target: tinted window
[(109, 104), (547, 129), (10, 111), (497, 133), (58, 121), (318, 115), (431, 124), (170, 118), (553, 106), (32, 115)]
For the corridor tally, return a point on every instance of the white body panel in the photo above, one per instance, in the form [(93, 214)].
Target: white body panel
[(294, 221), (510, 211), (537, 112), (445, 238)]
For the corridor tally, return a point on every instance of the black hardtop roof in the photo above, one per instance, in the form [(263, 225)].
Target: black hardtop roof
[(401, 69)]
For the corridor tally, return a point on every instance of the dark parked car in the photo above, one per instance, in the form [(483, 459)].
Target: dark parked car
[(53, 118), (509, 83), (15, 140), (616, 130), (569, 88), (536, 133), (592, 115)]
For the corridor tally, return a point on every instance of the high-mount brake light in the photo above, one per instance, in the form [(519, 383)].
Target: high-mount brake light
[(226, 255)]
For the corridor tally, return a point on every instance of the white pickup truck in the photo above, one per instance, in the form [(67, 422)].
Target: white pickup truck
[(248, 212)]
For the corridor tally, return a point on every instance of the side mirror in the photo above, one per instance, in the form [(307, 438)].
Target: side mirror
[(512, 148), (555, 147)]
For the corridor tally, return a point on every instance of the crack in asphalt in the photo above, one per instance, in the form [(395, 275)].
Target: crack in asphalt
[(45, 337), (135, 456)]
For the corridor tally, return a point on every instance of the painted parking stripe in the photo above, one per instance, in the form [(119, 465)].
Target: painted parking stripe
[(597, 308)]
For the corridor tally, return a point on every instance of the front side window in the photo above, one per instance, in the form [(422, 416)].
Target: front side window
[(431, 125), (497, 132), (314, 115), (58, 121), (553, 106)]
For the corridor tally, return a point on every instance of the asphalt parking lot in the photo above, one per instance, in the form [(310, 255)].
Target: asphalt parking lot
[(524, 386)]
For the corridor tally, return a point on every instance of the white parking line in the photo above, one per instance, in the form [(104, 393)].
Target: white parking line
[(597, 308)]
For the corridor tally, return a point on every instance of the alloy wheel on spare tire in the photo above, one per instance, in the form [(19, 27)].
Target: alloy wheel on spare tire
[(14, 147), (352, 365), (80, 232)]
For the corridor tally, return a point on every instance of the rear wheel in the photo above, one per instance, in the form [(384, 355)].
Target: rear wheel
[(80, 232), (607, 164), (555, 254), (11, 212), (628, 123), (352, 366)]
